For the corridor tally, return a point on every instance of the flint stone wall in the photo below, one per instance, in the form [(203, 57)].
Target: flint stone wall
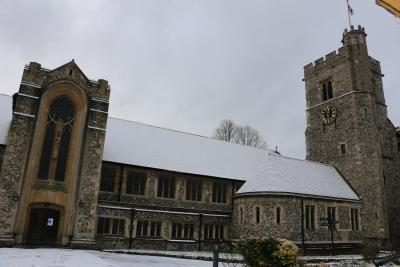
[(290, 224)]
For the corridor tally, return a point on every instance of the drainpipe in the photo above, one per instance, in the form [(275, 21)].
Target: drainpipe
[(121, 176), (131, 228), (199, 232), (302, 226)]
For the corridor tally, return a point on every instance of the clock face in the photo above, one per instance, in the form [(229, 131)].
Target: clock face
[(328, 115)]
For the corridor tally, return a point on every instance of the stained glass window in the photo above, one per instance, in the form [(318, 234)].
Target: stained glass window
[(57, 139)]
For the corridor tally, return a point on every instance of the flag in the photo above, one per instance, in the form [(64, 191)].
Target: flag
[(350, 10)]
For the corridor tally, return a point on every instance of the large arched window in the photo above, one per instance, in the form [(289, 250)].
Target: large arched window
[(57, 139)]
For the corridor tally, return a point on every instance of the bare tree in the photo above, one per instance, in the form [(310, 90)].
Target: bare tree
[(249, 136), (231, 132), (226, 131)]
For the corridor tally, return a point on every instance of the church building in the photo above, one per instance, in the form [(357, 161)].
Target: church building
[(72, 176)]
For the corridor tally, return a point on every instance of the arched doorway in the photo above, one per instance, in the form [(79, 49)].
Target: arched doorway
[(43, 226)]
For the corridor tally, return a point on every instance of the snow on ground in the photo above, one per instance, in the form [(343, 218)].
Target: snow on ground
[(203, 255), (47, 257), (13, 257)]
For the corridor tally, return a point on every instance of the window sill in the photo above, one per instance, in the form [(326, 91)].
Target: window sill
[(149, 238), (109, 192), (180, 240), (194, 201), (49, 185), (167, 198), (132, 194), (110, 236)]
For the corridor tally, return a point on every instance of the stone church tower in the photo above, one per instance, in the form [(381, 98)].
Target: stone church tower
[(52, 162), (348, 127)]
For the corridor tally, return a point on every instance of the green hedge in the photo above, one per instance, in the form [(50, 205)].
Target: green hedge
[(263, 252)]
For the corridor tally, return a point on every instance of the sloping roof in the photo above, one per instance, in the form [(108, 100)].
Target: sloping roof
[(5, 117), (278, 174), (263, 170)]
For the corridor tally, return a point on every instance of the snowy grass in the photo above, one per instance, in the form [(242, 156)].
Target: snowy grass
[(202, 255), (13, 257), (47, 257)]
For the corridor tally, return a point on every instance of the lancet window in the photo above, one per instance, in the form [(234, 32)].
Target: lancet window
[(57, 139)]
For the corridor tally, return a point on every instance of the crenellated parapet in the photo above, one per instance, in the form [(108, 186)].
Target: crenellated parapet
[(328, 60), (353, 39)]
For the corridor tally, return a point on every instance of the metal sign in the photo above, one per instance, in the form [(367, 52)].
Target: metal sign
[(50, 221)]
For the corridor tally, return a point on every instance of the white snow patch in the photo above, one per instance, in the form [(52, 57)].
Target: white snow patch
[(13, 257), (47, 257), (180, 254)]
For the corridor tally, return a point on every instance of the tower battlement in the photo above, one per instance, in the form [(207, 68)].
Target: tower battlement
[(352, 29), (329, 59), (352, 36)]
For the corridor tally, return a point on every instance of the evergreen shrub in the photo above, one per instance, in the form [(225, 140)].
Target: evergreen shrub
[(268, 252)]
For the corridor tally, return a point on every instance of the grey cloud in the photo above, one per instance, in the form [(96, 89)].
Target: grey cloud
[(188, 64)]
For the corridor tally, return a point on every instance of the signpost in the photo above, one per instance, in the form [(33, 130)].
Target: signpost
[(215, 256), (331, 224)]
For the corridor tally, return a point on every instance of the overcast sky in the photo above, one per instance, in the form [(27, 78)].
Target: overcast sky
[(187, 64)]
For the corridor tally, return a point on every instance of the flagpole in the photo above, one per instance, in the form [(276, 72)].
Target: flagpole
[(348, 12)]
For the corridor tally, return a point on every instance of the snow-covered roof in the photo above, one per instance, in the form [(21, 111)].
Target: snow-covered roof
[(5, 117), (263, 171), (278, 174)]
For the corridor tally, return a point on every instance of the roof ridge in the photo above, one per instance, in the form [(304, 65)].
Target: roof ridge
[(193, 134), (5, 95), (304, 160)]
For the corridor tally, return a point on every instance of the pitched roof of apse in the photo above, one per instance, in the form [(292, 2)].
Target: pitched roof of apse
[(5, 117), (263, 171)]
